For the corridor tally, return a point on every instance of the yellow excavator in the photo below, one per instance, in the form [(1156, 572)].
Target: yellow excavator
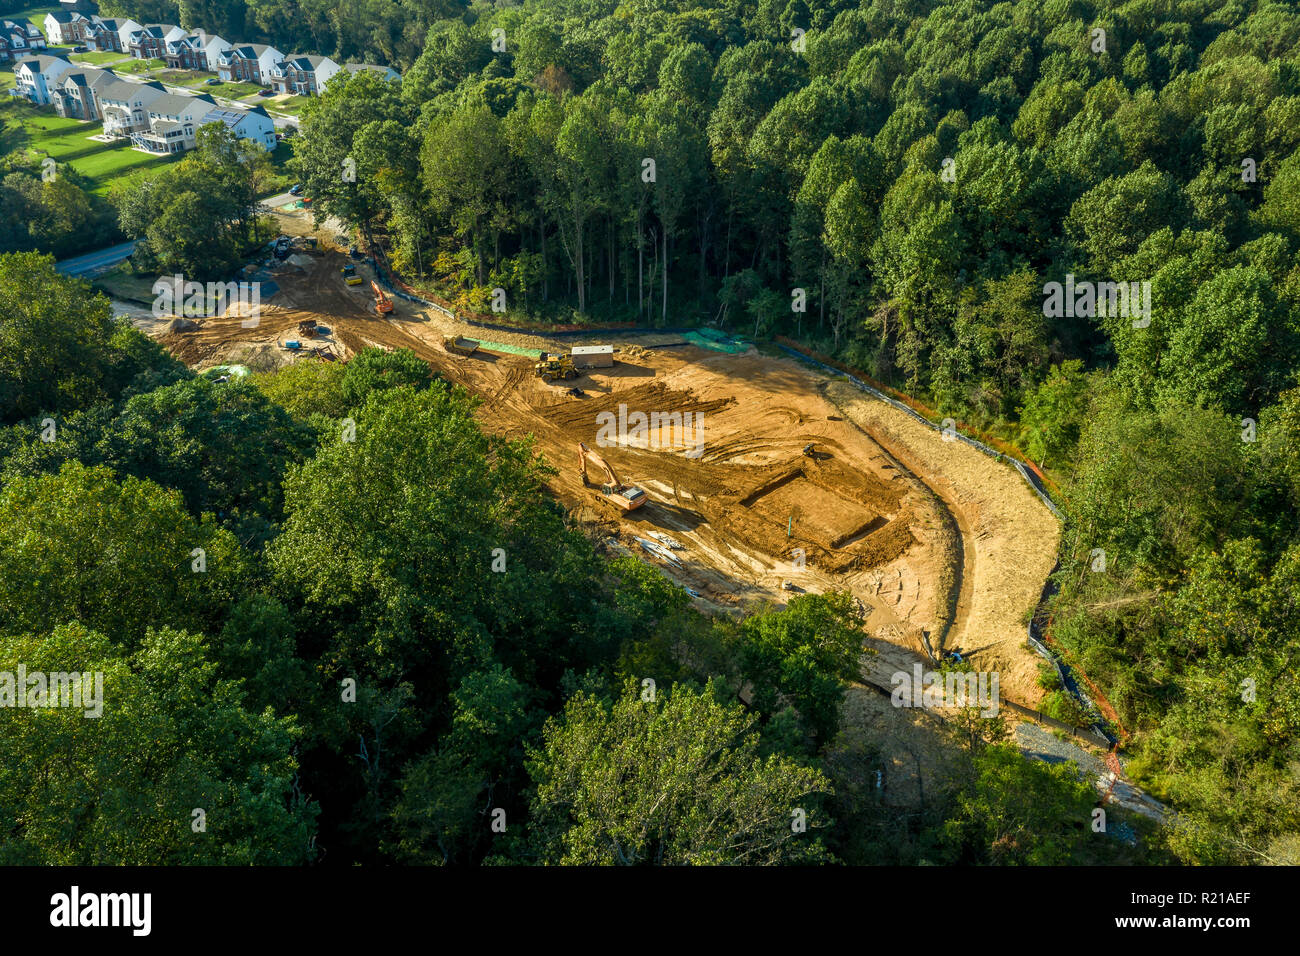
[(621, 496), (553, 366)]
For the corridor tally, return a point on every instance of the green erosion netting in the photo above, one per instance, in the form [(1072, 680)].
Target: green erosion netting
[(719, 342)]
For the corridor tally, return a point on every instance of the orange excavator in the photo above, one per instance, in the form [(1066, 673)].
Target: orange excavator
[(383, 304), (621, 496)]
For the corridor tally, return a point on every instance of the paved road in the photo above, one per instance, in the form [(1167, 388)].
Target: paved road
[(98, 261)]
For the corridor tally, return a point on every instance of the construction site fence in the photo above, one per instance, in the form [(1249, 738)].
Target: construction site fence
[(1098, 733), (1030, 477)]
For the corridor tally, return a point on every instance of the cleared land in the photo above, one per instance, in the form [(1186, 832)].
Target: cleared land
[(937, 541)]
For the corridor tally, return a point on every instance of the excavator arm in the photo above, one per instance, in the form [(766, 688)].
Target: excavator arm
[(585, 454)]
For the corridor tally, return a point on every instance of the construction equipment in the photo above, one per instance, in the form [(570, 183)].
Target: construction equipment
[(553, 367), (615, 492), (350, 274), (383, 304), (307, 328), (460, 345), (293, 345)]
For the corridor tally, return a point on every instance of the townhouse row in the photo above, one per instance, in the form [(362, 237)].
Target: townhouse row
[(254, 63), (19, 38), (145, 113)]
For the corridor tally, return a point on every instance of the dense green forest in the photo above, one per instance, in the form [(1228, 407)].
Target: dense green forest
[(349, 627)]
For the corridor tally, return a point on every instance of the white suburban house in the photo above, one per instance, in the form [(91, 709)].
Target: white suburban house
[(66, 27), (173, 121), (248, 63), (37, 75), (254, 124), (77, 92), (125, 106), (110, 34), (303, 75)]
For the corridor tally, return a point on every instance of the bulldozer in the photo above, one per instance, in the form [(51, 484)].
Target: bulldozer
[(552, 367), (612, 491), (383, 304), (350, 274)]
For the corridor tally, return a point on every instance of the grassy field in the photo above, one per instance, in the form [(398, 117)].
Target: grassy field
[(142, 66), (41, 133), (191, 79), (96, 58), (232, 91), (290, 104)]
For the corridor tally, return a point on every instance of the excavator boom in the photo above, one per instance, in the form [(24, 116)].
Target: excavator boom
[(626, 497)]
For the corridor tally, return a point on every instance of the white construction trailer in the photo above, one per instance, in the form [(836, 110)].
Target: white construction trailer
[(593, 356)]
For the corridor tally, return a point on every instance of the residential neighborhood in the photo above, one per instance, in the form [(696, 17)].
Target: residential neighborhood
[(154, 116), (248, 63)]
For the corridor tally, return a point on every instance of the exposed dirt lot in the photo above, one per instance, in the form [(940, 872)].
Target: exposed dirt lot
[(935, 540)]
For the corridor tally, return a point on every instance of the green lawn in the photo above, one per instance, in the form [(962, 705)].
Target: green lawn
[(191, 79), (143, 66), (98, 59), (232, 91), (68, 141), (108, 167), (291, 104)]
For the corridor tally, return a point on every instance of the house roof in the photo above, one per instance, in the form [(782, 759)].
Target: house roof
[(124, 92), (305, 62), (88, 76), (63, 16), (41, 62), (174, 103), (231, 118)]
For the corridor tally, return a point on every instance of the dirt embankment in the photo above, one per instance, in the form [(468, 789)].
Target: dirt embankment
[(1008, 537)]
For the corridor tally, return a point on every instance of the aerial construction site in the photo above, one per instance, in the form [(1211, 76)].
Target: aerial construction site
[(762, 478), (744, 477)]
